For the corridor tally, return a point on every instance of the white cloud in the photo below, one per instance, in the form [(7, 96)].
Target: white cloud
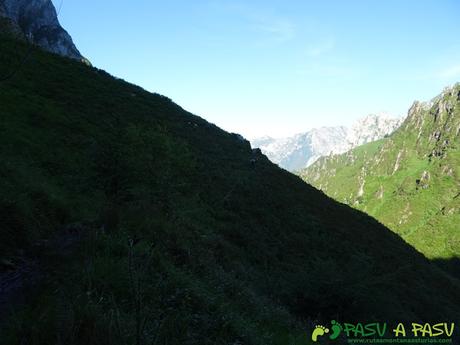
[(439, 74), (321, 48), (327, 70), (281, 29), (450, 72), (261, 19)]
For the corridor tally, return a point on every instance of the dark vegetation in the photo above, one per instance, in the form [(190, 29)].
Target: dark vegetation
[(191, 237)]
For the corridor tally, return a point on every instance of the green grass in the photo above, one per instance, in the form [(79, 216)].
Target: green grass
[(189, 242), (424, 213)]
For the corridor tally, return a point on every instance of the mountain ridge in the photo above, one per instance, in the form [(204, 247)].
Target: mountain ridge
[(410, 180), (303, 149)]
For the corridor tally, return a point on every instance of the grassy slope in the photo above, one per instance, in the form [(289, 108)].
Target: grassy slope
[(424, 211), (190, 242)]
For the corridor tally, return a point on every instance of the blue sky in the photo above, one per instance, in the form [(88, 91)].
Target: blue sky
[(275, 67)]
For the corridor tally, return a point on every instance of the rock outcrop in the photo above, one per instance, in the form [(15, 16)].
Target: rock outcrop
[(409, 181), (37, 21)]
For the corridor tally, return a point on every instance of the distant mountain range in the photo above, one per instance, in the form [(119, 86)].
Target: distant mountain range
[(303, 149), (409, 181)]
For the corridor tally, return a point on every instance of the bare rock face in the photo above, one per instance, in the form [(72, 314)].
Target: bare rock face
[(38, 22), (302, 150)]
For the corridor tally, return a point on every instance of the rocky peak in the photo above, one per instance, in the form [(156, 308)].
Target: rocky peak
[(38, 22), (301, 150), (371, 128), (441, 102), (438, 112)]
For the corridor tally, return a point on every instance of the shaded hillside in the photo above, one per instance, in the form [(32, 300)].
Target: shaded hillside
[(409, 181), (191, 236)]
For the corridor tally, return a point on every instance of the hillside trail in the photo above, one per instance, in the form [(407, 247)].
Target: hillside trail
[(20, 279)]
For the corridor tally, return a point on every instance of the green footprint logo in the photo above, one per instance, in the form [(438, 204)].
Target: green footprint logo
[(318, 332), (336, 330)]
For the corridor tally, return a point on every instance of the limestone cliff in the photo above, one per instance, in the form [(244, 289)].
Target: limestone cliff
[(37, 21)]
